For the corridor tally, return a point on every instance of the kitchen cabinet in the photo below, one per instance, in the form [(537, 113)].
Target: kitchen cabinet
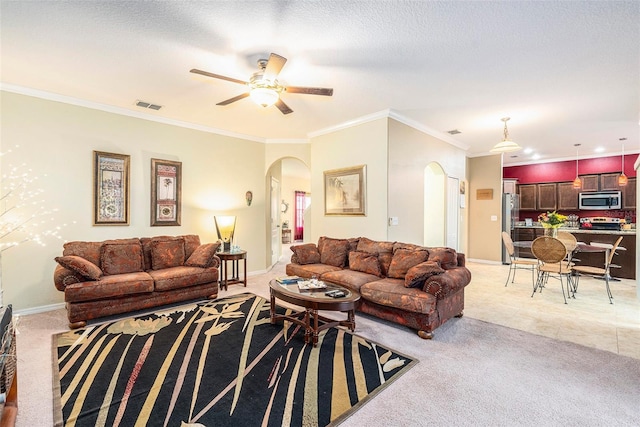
[(547, 197), (629, 194), (567, 196), (590, 182), (609, 182), (509, 186), (528, 197)]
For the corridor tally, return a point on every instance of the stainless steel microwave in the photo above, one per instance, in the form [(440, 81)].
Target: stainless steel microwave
[(601, 201)]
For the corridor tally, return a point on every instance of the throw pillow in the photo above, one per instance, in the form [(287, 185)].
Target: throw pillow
[(403, 260), (373, 246), (80, 265), (306, 254), (203, 255), (418, 274), (365, 262), (167, 253), (446, 257), (119, 258), (333, 251)]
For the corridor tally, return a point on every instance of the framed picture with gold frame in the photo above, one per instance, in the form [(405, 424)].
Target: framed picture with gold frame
[(344, 191), (110, 188), (166, 192)]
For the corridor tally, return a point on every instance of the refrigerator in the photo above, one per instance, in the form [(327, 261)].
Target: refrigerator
[(510, 213)]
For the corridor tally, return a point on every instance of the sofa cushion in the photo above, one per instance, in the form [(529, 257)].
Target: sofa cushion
[(403, 260), (167, 253), (410, 246), (350, 278), (374, 247), (191, 243), (81, 266), (87, 250), (365, 262), (146, 249), (333, 251), (182, 277), (417, 274), (392, 293), (203, 256), (446, 257), (306, 254), (113, 286), (121, 256), (309, 270)]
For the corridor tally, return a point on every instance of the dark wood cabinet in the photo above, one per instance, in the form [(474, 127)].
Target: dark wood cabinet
[(590, 182), (528, 197), (629, 194), (609, 182), (547, 197), (567, 196)]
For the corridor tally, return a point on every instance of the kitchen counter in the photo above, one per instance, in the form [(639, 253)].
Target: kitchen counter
[(583, 230)]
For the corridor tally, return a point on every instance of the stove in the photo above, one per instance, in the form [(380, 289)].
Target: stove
[(601, 223)]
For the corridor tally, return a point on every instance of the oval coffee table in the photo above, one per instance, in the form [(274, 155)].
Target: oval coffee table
[(311, 301)]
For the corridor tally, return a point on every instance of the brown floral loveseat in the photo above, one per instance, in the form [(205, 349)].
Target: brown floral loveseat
[(118, 276), (419, 287)]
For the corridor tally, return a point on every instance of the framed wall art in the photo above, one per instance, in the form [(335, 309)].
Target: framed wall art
[(344, 191), (166, 192), (110, 188)]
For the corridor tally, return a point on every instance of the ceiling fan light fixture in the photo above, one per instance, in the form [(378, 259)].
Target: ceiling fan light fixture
[(506, 145), (264, 96)]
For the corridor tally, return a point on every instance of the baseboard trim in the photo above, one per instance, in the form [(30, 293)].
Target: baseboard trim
[(39, 309), (484, 261)]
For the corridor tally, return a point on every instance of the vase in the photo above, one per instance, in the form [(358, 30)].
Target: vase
[(551, 232)]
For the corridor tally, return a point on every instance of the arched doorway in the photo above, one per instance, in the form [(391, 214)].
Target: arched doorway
[(434, 205)]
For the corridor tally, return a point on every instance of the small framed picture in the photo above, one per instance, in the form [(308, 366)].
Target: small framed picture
[(166, 192), (110, 188)]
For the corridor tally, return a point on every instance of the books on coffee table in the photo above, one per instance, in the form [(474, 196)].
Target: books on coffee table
[(288, 280)]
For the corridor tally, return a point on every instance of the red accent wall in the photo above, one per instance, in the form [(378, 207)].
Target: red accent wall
[(566, 171)]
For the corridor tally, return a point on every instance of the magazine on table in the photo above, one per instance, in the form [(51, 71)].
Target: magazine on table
[(288, 280)]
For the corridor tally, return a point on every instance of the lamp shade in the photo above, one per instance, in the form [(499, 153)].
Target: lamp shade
[(505, 146), (264, 96), (225, 227)]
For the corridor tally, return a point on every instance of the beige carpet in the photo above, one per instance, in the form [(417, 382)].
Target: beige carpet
[(472, 373)]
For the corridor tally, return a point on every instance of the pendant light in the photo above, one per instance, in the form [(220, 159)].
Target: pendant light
[(506, 145), (577, 183), (622, 179)]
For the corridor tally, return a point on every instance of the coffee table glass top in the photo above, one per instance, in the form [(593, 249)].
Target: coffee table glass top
[(319, 293)]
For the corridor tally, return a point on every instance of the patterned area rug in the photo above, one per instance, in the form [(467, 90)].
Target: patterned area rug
[(215, 363)]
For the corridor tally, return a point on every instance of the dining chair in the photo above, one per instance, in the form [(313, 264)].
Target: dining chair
[(570, 242), (603, 273), (517, 263), (552, 254)]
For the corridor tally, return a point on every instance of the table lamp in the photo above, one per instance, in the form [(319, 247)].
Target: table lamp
[(225, 226)]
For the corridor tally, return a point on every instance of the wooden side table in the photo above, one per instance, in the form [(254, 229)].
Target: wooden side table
[(235, 258)]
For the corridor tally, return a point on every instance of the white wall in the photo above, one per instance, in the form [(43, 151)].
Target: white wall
[(364, 144), (410, 152), (57, 140)]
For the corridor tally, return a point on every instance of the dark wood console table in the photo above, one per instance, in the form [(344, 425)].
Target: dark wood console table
[(235, 258)]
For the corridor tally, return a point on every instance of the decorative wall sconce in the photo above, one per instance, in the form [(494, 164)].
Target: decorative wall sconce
[(249, 197), (225, 226)]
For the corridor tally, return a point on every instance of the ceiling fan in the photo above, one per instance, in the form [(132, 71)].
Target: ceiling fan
[(264, 87)]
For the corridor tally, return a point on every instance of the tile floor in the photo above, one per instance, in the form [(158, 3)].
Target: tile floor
[(588, 319)]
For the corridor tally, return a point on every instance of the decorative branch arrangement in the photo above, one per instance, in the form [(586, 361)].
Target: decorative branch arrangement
[(24, 216)]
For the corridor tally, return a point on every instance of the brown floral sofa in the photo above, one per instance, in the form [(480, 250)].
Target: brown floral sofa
[(118, 276), (415, 286)]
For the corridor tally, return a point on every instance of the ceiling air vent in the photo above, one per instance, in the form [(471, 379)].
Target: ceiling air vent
[(453, 132), (144, 104)]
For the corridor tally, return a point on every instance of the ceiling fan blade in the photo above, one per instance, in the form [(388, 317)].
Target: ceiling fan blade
[(284, 108), (274, 66), (310, 90), (218, 76), (234, 99)]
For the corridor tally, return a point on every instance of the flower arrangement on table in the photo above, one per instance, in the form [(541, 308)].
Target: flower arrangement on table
[(552, 220)]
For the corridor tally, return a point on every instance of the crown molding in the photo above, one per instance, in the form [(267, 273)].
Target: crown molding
[(287, 141), (122, 111), (350, 123)]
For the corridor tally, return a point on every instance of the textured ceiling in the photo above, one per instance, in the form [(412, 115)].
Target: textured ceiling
[(565, 72)]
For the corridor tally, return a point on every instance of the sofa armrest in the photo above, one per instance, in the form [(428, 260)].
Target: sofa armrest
[(215, 262), (447, 283), (63, 277), (462, 260)]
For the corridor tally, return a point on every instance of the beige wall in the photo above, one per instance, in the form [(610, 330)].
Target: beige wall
[(410, 152), (56, 140), (364, 144), (484, 234)]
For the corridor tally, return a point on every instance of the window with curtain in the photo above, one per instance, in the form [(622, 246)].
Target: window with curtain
[(298, 218)]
